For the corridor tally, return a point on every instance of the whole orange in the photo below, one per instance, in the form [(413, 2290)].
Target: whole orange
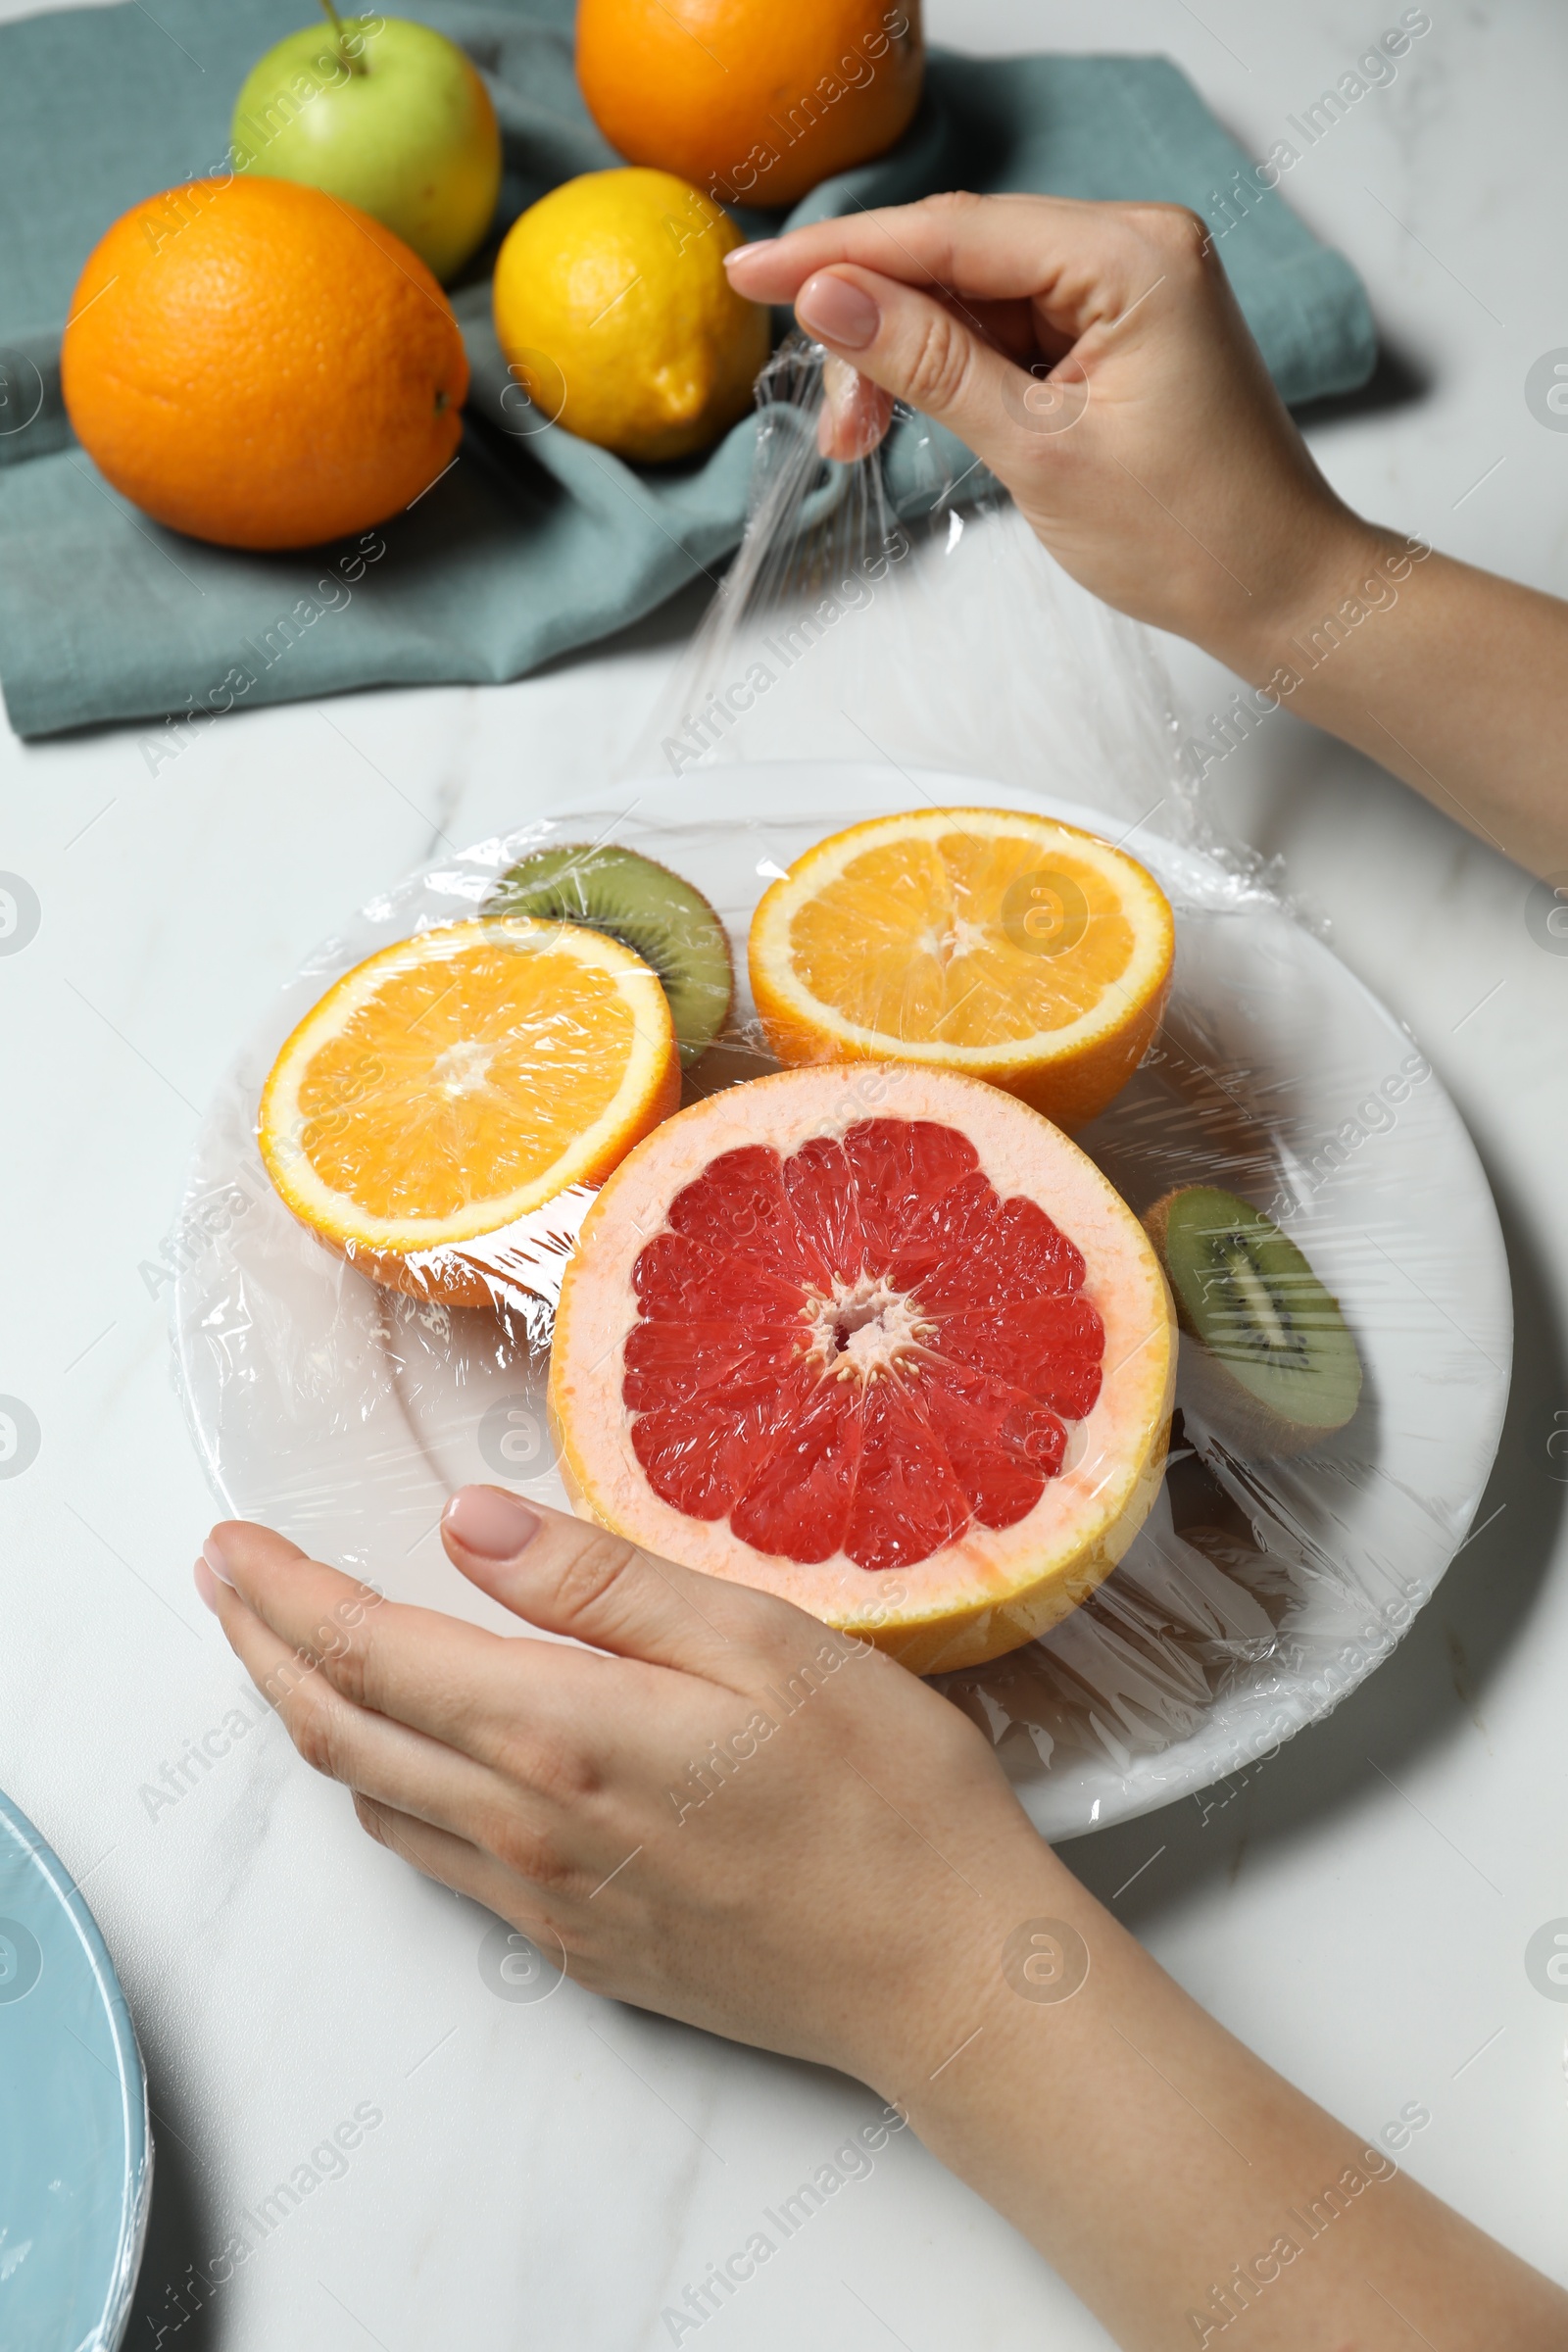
[(754, 102), (262, 364)]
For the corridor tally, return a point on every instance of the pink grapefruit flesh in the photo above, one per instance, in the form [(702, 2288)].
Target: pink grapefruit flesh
[(883, 1342)]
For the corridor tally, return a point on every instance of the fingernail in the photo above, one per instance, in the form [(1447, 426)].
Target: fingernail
[(493, 1525), (205, 1583), (837, 311), (216, 1562), (756, 246)]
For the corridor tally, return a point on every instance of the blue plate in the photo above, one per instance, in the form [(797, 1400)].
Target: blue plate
[(76, 2159)]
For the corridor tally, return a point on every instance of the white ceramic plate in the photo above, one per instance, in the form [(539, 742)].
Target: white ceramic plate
[(1257, 1596)]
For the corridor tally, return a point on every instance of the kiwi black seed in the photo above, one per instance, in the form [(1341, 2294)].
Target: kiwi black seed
[(1274, 1365), (649, 910)]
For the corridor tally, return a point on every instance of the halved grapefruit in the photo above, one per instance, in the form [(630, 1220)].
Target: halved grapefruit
[(880, 1340)]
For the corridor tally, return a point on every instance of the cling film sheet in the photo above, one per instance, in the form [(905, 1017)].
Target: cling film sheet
[(890, 639)]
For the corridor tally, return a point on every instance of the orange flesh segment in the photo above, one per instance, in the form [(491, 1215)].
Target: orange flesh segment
[(1003, 943), (458, 1081), (490, 1064), (911, 941)]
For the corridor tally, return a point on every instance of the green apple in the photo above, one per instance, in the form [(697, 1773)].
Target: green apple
[(386, 115)]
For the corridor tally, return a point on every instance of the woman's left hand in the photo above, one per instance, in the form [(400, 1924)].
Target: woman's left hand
[(721, 1810)]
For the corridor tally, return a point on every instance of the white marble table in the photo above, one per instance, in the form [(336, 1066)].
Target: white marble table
[(554, 2175)]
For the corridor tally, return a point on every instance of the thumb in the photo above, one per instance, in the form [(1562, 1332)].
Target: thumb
[(926, 355), (572, 1578)]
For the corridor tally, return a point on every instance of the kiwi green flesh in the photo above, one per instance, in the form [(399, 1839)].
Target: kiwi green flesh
[(1245, 1292), (649, 910)]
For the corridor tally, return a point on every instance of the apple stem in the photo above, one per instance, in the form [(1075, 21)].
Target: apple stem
[(351, 53)]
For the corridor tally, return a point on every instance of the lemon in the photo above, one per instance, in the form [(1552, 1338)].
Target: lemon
[(614, 311)]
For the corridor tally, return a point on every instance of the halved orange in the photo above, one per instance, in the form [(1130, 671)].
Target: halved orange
[(999, 944), (450, 1085)]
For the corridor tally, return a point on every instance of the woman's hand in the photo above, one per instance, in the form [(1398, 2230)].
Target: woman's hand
[(725, 1812), (1092, 355), (735, 1817)]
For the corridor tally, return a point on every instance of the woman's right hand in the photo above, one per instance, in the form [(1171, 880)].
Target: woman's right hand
[(1094, 356)]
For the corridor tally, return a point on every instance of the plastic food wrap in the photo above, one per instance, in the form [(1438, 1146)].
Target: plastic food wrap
[(879, 647)]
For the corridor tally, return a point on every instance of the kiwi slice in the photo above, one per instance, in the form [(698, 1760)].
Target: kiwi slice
[(1274, 1365), (648, 908)]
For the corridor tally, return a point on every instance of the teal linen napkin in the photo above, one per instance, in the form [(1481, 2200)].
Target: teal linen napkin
[(535, 542)]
